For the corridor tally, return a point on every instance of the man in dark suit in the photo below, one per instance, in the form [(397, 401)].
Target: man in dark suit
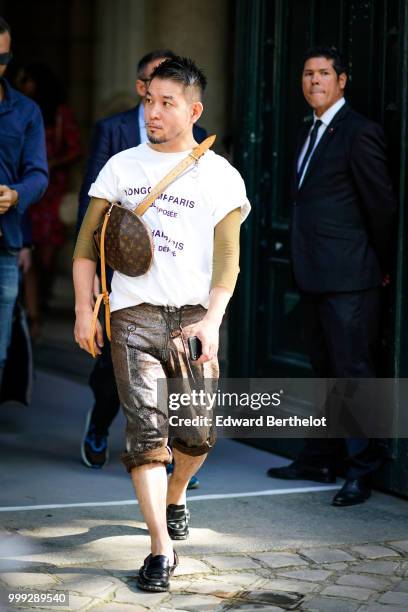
[(342, 219), (113, 135)]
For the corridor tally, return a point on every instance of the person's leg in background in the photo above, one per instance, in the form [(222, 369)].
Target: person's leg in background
[(8, 296), (94, 447), (352, 331), (317, 460), (323, 453)]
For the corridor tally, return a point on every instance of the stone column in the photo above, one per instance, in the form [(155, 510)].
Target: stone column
[(201, 30), (127, 29), (120, 42)]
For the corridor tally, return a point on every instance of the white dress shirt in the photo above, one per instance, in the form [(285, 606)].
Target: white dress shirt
[(142, 126), (326, 118)]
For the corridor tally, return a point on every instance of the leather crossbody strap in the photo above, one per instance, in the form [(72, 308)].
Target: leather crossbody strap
[(102, 296), (191, 158)]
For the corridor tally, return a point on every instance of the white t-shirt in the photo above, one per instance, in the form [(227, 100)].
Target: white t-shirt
[(182, 221)]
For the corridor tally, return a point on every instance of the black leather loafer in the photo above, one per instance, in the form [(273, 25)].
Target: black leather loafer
[(300, 471), (352, 492), (177, 521), (156, 572)]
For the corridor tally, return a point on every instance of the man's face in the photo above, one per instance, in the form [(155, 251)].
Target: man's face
[(142, 82), (5, 42), (170, 110), (321, 85)]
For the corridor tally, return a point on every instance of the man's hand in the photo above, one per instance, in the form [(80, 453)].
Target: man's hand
[(207, 330), (84, 275), (25, 259), (8, 198), (82, 331)]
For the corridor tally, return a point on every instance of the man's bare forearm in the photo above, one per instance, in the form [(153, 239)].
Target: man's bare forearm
[(207, 330), (219, 298), (83, 274)]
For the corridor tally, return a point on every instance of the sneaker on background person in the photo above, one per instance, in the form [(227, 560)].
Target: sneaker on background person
[(94, 446), (95, 450)]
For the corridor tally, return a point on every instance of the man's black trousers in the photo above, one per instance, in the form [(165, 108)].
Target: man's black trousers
[(103, 384), (341, 331)]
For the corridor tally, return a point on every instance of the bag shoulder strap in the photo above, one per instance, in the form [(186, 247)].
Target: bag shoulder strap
[(104, 295), (191, 158)]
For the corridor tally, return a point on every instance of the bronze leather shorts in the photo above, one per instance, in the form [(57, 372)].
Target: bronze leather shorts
[(146, 346)]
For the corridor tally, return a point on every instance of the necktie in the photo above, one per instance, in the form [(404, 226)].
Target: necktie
[(309, 151)]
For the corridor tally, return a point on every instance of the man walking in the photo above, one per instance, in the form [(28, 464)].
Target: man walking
[(23, 180), (112, 135), (195, 227), (342, 219)]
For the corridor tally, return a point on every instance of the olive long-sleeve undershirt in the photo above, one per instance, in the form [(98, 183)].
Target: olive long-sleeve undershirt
[(226, 243)]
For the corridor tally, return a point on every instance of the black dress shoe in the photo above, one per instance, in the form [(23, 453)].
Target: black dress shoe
[(352, 492), (300, 471), (177, 521), (156, 572)]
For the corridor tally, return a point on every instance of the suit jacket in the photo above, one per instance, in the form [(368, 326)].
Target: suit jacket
[(113, 135), (344, 211)]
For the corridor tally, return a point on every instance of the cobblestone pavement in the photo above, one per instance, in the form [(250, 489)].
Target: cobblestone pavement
[(346, 578)]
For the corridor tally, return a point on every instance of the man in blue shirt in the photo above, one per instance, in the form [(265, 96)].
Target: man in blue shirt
[(23, 180)]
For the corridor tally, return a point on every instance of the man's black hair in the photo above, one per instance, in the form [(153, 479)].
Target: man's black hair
[(4, 26), (150, 57), (339, 63), (183, 70)]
